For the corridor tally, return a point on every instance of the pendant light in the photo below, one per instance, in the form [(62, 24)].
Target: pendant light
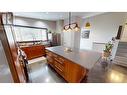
[(71, 26), (87, 25), (77, 28)]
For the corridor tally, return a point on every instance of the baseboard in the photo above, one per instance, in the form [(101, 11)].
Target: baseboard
[(124, 65)]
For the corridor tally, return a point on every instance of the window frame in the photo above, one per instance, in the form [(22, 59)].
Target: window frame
[(34, 28)]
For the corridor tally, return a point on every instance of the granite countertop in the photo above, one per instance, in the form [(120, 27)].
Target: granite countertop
[(85, 58)]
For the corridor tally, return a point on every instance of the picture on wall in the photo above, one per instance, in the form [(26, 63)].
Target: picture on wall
[(85, 34)]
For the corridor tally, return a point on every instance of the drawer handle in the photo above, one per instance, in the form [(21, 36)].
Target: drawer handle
[(59, 61), (55, 56), (58, 68)]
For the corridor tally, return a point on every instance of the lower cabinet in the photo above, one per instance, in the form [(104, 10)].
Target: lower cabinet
[(34, 51), (70, 71)]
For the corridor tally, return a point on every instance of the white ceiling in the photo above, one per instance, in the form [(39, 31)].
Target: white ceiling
[(55, 15)]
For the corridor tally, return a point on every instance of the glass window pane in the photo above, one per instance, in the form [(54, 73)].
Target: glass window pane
[(30, 34)]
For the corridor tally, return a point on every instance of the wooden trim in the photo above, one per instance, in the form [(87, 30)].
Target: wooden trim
[(8, 53), (11, 52), (98, 43), (119, 32), (30, 27), (26, 26), (31, 41)]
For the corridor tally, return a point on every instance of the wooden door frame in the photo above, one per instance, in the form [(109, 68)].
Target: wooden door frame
[(8, 52)]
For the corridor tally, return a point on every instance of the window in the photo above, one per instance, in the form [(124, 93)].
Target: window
[(30, 34)]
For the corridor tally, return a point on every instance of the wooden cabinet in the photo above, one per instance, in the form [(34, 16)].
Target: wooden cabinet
[(70, 71), (34, 51)]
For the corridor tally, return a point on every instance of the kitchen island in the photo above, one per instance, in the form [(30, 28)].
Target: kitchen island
[(71, 65)]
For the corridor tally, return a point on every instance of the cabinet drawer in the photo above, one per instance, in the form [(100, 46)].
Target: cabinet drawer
[(46, 51), (60, 61), (59, 65), (59, 70), (49, 59), (55, 56), (49, 54)]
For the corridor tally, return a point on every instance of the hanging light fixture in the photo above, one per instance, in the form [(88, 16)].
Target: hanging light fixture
[(77, 28), (87, 25), (71, 26)]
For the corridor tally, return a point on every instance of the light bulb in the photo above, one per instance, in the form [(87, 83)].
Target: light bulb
[(69, 30), (76, 29), (64, 30), (87, 27)]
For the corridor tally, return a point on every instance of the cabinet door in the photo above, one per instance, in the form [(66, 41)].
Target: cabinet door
[(74, 72), (39, 50), (34, 51)]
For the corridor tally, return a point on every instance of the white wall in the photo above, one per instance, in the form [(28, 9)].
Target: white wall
[(68, 37), (51, 25), (103, 28), (59, 26)]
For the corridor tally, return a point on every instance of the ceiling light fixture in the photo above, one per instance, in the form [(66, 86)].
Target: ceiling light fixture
[(71, 26), (87, 25)]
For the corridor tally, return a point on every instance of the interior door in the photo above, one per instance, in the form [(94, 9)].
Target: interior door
[(10, 48), (124, 34)]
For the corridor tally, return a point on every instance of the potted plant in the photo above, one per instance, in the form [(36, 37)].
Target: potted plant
[(107, 49)]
